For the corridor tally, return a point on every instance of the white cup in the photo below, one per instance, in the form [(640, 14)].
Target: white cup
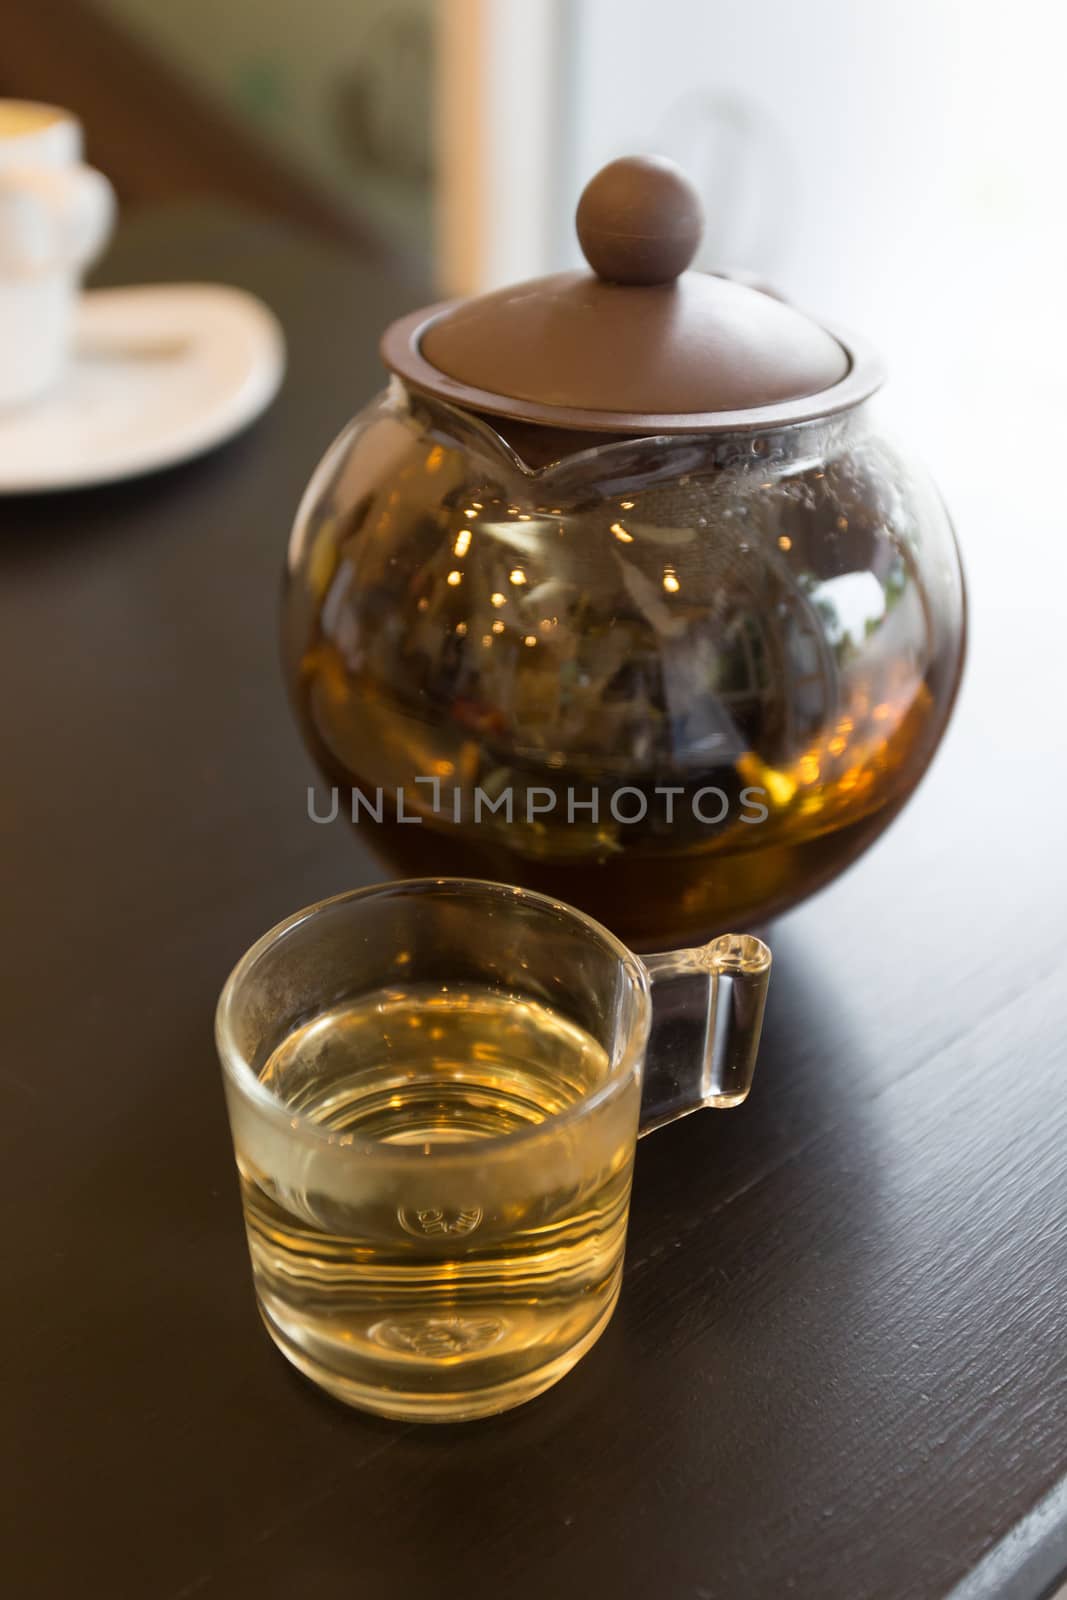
[(55, 217)]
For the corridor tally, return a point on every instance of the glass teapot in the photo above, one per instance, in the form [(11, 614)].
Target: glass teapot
[(619, 593)]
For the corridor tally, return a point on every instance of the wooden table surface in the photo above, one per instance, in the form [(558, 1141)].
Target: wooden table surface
[(838, 1366)]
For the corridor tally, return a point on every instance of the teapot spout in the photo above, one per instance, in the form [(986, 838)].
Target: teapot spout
[(706, 1024), (554, 461)]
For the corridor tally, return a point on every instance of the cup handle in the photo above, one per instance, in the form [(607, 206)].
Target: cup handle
[(706, 1030), (53, 219), (90, 216)]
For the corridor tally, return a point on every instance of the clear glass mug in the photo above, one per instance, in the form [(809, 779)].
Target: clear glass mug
[(435, 1089)]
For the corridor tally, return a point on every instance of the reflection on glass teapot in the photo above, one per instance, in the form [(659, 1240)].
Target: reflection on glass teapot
[(618, 591)]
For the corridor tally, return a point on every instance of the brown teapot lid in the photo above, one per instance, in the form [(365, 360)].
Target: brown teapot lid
[(639, 344)]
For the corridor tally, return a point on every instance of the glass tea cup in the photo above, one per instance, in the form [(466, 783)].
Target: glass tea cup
[(435, 1088)]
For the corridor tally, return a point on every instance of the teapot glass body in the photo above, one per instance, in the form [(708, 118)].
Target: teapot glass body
[(679, 681)]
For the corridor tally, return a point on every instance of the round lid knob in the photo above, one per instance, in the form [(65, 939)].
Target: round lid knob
[(639, 221)]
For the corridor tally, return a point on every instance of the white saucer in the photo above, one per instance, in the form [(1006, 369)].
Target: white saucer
[(159, 374)]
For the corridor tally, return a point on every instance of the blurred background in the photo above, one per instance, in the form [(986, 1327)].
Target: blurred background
[(896, 167)]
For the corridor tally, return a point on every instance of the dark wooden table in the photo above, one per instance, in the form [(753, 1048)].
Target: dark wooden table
[(838, 1366)]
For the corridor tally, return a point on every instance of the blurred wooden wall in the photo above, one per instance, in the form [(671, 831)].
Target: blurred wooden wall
[(154, 133)]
